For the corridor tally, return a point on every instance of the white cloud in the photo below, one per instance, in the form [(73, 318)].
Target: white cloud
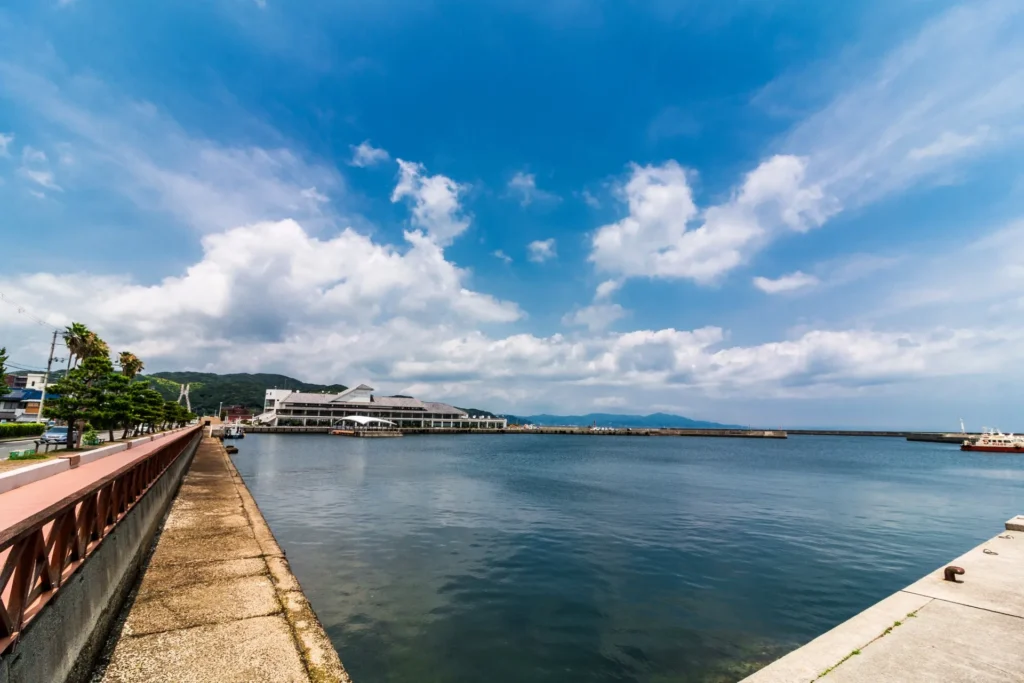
[(590, 200), (956, 87), (42, 178), (606, 289), (134, 149), (498, 253), (364, 154), (542, 250), (524, 187), (315, 195), (5, 140), (435, 199), (596, 317), (949, 144), (656, 240), (900, 122), (31, 155), (786, 283)]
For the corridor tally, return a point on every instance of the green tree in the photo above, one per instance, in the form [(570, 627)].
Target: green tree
[(149, 408), (79, 396), (116, 407), (3, 371)]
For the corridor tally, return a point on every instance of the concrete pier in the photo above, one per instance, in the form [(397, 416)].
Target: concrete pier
[(217, 601), (971, 630)]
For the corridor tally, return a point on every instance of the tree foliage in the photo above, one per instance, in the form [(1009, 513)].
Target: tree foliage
[(92, 392)]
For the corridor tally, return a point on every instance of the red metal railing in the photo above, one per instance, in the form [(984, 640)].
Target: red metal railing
[(39, 553)]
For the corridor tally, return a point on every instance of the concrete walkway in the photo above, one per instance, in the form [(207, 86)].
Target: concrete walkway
[(933, 630), (218, 601)]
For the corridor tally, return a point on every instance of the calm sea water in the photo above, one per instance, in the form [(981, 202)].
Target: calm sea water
[(527, 558)]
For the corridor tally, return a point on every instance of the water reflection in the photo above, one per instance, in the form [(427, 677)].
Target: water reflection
[(532, 558)]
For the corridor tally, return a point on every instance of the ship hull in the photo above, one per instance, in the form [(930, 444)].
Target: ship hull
[(992, 449)]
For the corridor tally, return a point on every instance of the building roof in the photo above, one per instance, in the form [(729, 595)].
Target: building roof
[(306, 397), (435, 407), (26, 395), (341, 397), (398, 402)]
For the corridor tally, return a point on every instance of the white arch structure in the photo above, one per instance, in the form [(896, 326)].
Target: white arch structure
[(365, 421)]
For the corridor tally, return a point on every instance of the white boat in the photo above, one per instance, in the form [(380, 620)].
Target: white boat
[(234, 432)]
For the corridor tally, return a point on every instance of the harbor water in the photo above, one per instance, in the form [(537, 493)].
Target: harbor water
[(531, 558)]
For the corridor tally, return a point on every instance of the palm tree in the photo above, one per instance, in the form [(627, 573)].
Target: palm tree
[(75, 336), (95, 347), (131, 364)]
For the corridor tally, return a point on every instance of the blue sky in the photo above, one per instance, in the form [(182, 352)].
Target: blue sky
[(774, 212)]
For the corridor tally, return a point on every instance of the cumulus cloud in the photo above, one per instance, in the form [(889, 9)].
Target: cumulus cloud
[(606, 289), (656, 238), (364, 154), (542, 250), (436, 206), (523, 186), (595, 317), (786, 283)]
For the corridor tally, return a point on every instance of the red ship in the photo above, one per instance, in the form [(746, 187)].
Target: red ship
[(995, 442)]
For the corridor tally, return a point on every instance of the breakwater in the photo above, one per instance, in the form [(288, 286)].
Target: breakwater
[(576, 431)]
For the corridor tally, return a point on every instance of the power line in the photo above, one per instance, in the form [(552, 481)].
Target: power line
[(25, 312)]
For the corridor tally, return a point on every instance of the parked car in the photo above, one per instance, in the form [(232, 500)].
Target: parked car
[(55, 435)]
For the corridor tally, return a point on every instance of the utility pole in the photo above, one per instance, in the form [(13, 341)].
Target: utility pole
[(46, 377)]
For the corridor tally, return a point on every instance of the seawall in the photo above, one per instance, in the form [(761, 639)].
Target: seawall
[(970, 629), (218, 601)]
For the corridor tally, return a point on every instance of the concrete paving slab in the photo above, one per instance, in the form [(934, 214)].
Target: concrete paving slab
[(945, 643), (163, 579), (207, 603), (993, 580), (183, 549), (249, 651)]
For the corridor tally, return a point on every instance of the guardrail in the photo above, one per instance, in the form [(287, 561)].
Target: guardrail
[(40, 553)]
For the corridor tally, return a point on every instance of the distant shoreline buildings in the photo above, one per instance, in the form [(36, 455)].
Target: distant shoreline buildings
[(283, 407)]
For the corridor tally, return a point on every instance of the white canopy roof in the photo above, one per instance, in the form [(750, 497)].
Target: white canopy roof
[(365, 420)]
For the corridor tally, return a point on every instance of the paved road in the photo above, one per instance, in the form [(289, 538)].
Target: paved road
[(23, 444)]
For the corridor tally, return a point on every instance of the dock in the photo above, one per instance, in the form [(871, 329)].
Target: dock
[(951, 626), (217, 601)]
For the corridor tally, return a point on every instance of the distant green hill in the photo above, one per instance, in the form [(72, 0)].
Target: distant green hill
[(208, 390), (615, 420)]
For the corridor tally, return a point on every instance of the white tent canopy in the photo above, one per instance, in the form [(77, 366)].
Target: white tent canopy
[(366, 420)]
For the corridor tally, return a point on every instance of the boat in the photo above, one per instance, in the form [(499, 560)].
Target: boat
[(995, 442), (234, 432)]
